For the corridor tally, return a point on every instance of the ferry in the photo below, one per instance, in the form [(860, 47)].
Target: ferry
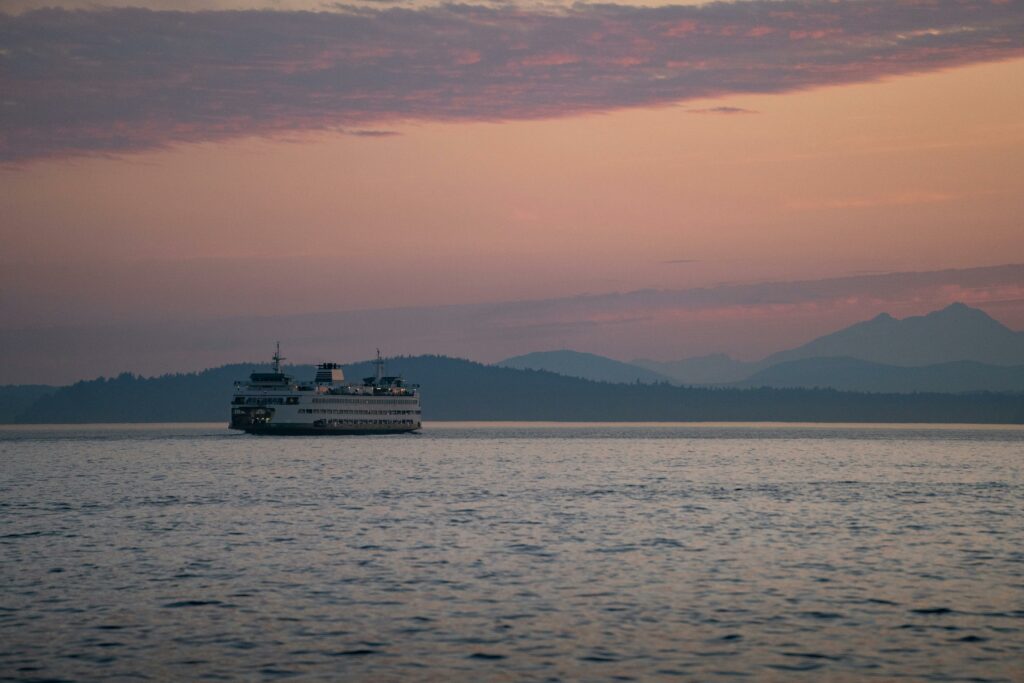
[(274, 403)]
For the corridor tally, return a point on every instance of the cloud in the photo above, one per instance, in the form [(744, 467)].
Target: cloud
[(884, 200), (369, 133), (127, 79), (721, 110)]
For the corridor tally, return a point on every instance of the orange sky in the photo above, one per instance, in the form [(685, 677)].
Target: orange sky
[(915, 172), (918, 172)]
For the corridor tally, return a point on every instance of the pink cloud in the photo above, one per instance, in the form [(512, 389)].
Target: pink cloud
[(120, 80), (681, 28), (549, 59)]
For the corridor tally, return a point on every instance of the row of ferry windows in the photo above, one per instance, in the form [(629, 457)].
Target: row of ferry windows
[(266, 400), (349, 411), (366, 422), (294, 400), (374, 401)]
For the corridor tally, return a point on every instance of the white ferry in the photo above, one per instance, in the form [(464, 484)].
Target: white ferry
[(274, 403)]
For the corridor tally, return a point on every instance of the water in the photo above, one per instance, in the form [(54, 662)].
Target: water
[(513, 552)]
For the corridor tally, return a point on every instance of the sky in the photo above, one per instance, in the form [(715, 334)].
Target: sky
[(179, 171)]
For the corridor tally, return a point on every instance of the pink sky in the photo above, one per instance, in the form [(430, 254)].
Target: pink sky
[(234, 164)]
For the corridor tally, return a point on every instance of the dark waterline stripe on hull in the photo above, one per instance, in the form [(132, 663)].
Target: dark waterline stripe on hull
[(282, 430)]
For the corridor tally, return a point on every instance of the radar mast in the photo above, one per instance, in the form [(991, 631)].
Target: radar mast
[(278, 358)]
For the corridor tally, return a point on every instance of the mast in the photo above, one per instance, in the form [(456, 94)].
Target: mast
[(278, 358)]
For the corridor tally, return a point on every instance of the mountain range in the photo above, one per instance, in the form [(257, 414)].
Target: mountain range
[(955, 349), (952, 351)]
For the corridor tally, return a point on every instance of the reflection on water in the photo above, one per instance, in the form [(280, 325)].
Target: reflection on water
[(515, 551)]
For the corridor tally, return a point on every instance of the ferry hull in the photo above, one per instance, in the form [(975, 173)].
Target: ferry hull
[(310, 430)]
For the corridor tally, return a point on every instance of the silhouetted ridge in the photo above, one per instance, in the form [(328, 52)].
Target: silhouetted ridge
[(454, 389)]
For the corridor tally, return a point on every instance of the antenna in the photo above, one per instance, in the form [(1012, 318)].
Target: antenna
[(278, 358)]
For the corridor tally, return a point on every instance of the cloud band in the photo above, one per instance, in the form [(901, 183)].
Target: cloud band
[(120, 80)]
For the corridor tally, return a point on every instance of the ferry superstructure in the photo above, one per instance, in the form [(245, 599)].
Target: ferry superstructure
[(274, 403)]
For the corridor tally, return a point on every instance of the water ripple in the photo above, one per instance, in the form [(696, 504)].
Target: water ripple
[(611, 552)]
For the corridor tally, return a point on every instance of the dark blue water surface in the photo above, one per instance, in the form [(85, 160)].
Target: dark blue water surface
[(513, 552)]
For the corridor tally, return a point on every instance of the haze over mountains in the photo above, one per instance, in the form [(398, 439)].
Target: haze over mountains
[(853, 374), (744, 320), (955, 349), (584, 365), (715, 368)]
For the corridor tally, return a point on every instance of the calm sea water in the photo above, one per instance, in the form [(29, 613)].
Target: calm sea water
[(513, 552)]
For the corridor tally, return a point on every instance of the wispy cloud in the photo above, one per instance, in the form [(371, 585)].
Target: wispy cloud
[(721, 110), (369, 133), (890, 199), (119, 80)]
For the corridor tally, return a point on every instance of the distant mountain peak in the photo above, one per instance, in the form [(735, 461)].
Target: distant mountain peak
[(957, 332), (961, 314), (959, 308)]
